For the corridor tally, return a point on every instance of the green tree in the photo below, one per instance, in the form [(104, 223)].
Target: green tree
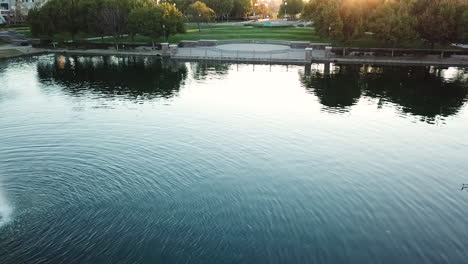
[(392, 22), (70, 19), (199, 12), (462, 32), (44, 21), (182, 5), (291, 7), (156, 20), (173, 20), (241, 8), (222, 8), (326, 17), (340, 20), (262, 9), (147, 21), (437, 20)]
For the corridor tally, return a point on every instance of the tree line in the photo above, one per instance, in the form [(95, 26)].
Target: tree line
[(152, 18), (105, 17), (393, 21)]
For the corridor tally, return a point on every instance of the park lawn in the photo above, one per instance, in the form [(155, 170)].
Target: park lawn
[(246, 32), (242, 32), (227, 32), (26, 31), (9, 52)]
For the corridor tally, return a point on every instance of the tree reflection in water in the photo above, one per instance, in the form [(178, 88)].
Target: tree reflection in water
[(110, 76), (426, 92), (204, 69)]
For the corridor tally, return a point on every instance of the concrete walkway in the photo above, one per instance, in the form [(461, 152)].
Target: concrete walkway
[(252, 47), (10, 51), (244, 52), (266, 53), (461, 61), (248, 54)]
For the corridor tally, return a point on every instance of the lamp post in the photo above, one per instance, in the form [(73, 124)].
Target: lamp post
[(255, 9), (199, 19), (285, 5), (164, 32)]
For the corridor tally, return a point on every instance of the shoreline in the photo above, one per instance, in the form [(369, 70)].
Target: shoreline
[(247, 57)]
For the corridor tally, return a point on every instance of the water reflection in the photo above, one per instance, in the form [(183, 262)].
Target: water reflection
[(203, 70), (427, 92), (127, 77)]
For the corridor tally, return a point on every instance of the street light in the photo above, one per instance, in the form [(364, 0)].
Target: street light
[(199, 19), (285, 5), (255, 8)]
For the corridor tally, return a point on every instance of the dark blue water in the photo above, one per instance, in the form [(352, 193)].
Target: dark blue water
[(133, 160)]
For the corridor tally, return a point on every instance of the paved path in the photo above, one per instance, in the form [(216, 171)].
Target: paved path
[(253, 47), (247, 53)]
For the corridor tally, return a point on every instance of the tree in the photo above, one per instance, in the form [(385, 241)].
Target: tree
[(441, 21), (261, 9), (182, 5), (19, 13), (222, 8), (71, 20), (240, 8), (44, 20), (173, 20), (199, 12), (340, 20), (156, 20), (147, 21), (392, 22), (291, 7), (462, 32), (113, 21), (90, 16), (326, 17)]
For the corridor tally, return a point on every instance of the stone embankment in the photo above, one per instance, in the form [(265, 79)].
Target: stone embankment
[(278, 52)]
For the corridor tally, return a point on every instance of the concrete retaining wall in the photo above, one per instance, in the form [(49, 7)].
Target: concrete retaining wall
[(292, 44), (260, 41)]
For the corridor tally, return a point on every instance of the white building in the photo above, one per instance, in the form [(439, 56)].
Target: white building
[(7, 6)]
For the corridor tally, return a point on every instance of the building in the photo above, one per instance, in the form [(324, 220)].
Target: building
[(7, 8)]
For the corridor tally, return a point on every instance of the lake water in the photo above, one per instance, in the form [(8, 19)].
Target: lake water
[(133, 160)]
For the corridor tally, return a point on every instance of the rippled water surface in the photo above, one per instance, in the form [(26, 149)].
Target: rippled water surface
[(133, 160)]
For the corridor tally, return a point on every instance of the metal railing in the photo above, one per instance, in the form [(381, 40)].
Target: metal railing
[(239, 55)]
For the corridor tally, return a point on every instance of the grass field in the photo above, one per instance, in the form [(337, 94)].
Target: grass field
[(223, 32), (9, 52), (226, 32), (248, 32), (22, 29)]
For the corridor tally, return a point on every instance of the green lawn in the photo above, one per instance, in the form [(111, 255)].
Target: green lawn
[(23, 30), (223, 32), (226, 32), (9, 52)]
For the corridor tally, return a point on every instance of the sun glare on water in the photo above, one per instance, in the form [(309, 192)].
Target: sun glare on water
[(5, 208)]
